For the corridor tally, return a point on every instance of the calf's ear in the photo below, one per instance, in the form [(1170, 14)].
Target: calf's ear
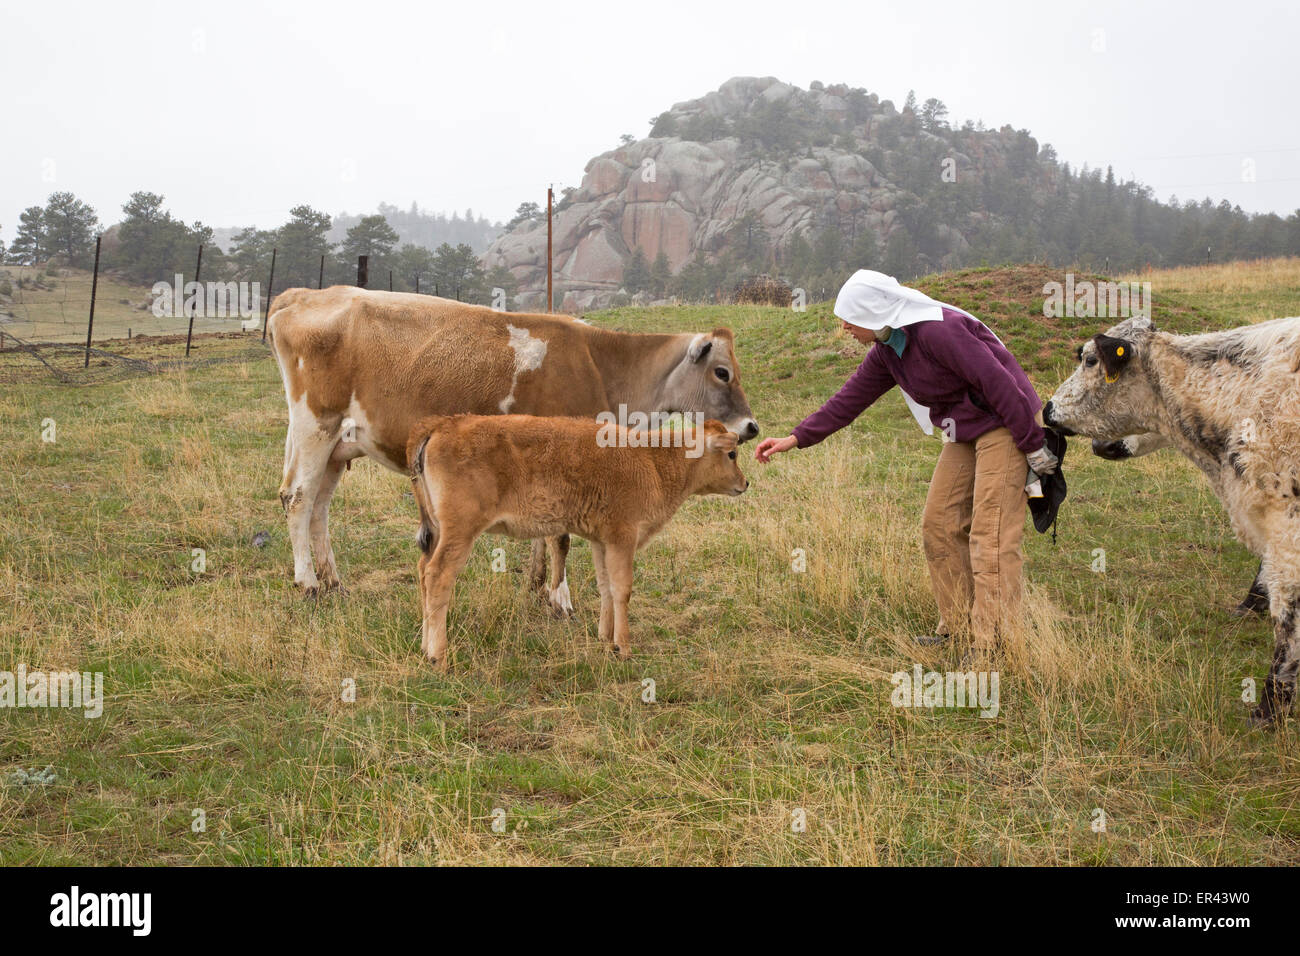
[(699, 347), (1115, 354), (727, 441)]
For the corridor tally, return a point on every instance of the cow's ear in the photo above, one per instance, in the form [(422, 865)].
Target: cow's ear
[(699, 348), (1115, 354), (727, 441)]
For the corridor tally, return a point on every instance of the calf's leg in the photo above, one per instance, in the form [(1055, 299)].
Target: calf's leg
[(438, 574), (606, 630), (618, 566)]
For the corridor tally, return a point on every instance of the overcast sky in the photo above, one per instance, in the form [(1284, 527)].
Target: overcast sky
[(237, 111)]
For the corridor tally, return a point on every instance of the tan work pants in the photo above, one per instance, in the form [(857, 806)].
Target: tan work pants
[(972, 530)]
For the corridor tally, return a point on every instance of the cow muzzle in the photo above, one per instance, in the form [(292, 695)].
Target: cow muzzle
[(747, 429), (1050, 419)]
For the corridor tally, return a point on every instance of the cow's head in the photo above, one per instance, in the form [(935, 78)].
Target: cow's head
[(1109, 396), (717, 471), (707, 380)]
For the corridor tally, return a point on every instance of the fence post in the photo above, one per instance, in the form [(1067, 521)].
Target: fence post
[(550, 296), (390, 280), (363, 271), (94, 286), (267, 313), (320, 283), (198, 265), (417, 283)]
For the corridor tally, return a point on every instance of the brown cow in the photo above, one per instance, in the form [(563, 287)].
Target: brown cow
[(360, 368), (538, 477)]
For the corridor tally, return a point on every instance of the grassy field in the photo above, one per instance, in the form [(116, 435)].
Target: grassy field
[(57, 309), (226, 693)]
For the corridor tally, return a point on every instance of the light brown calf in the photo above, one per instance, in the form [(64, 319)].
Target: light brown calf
[(532, 477)]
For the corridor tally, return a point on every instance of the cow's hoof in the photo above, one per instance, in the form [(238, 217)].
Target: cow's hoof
[(1263, 718), (310, 591), (1252, 604), (560, 601), (622, 654)]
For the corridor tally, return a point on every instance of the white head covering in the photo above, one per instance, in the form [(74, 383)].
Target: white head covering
[(873, 300)]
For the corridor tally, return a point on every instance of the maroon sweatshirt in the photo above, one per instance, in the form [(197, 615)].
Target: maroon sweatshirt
[(957, 368)]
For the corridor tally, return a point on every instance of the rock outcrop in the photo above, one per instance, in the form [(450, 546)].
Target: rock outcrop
[(795, 158)]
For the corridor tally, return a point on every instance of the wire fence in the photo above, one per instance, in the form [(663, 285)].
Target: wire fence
[(65, 363)]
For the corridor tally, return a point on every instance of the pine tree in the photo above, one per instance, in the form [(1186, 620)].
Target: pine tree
[(29, 243), (661, 274), (70, 226), (636, 273)]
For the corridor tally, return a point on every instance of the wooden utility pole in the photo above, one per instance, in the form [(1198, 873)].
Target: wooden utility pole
[(94, 285), (550, 269), (269, 282), (198, 265)]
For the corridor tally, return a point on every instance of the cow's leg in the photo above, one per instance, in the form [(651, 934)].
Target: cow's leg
[(309, 448), (326, 568), (437, 578), (556, 593), (618, 566), (606, 629), (1283, 582), (537, 567), (1256, 599), (288, 454), (561, 602)]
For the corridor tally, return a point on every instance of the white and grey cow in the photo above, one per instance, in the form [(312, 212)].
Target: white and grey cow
[(1135, 446), (1229, 401)]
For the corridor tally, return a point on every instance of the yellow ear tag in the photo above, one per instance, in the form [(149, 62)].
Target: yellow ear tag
[(1120, 350), (1112, 379)]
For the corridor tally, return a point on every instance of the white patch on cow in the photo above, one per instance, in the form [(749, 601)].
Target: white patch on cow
[(560, 597), (529, 353), (299, 361), (363, 438)]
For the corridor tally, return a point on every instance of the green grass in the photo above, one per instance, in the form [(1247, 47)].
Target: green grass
[(225, 690)]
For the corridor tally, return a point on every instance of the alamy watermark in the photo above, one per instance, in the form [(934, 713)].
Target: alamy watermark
[(652, 430), (957, 689), (22, 688), (206, 300), (1089, 300)]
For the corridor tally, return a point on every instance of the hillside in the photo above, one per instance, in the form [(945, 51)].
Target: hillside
[(761, 176)]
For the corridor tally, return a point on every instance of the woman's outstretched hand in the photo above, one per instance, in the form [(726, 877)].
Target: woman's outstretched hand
[(770, 447)]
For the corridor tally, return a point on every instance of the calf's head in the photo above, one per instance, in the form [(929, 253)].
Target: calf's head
[(1109, 396), (707, 380), (717, 471)]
